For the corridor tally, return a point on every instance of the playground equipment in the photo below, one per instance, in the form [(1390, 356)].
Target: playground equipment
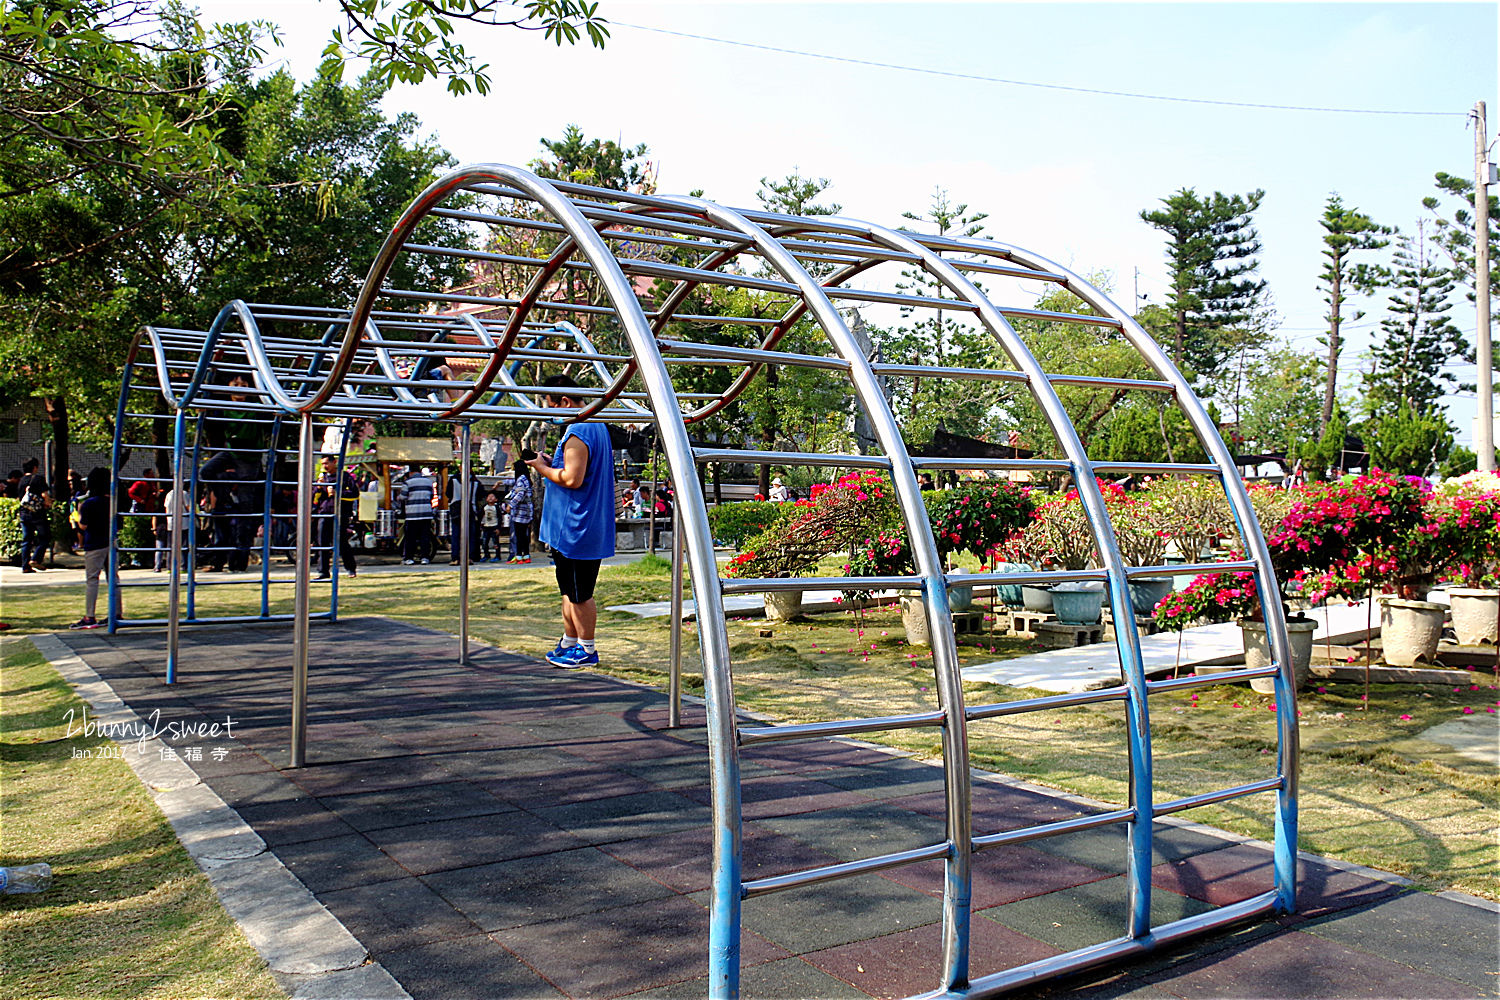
[(555, 249)]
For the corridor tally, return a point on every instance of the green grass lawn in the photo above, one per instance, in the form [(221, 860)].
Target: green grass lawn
[(1372, 790), (128, 913)]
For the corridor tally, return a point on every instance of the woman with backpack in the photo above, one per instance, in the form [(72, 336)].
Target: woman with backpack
[(36, 502)]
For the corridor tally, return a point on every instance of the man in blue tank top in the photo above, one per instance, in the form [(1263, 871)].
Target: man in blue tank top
[(578, 523)]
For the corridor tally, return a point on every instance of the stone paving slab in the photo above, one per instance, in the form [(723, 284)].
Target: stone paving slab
[(505, 829)]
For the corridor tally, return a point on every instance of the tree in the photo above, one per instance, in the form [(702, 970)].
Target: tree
[(1409, 441), (796, 195), (1455, 234), (1280, 411), (598, 162), (938, 338), (1419, 338), (1211, 251), (1345, 231)]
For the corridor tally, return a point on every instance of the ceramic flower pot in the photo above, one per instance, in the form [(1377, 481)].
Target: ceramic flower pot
[(914, 620), (1010, 593), (1036, 598), (1476, 615), (1146, 594), (782, 605), (1410, 630), (961, 598), (1258, 650), (1077, 603)]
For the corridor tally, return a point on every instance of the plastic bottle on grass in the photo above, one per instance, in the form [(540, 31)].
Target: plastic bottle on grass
[(26, 878)]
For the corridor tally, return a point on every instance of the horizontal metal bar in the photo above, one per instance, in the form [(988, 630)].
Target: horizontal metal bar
[(1053, 701), (1189, 569), (1209, 798), (1203, 680), (1019, 464), (1033, 973), (1040, 578), (791, 458), (752, 354), (222, 620), (1155, 468), (1057, 829), (815, 730), (828, 873), (765, 584)]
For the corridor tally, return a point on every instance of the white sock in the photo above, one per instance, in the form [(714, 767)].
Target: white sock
[(587, 644), (568, 642)]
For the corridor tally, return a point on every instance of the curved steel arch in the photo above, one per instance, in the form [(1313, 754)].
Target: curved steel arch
[(359, 376)]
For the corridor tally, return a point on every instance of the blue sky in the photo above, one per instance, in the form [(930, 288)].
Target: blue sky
[(1064, 174)]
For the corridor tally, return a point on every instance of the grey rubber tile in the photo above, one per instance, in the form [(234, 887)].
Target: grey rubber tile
[(470, 968), (632, 747), (683, 860), (256, 788), (1087, 914), (404, 806), (505, 762), (545, 887), (293, 821), (1465, 947), (386, 916), (886, 779), (627, 817), (787, 979), (855, 832), (816, 917), (785, 795), (1103, 847), (1243, 870), (1001, 875), (630, 948), (566, 730), (326, 776), (1294, 965), (911, 961), (338, 863), (425, 848), (583, 783)]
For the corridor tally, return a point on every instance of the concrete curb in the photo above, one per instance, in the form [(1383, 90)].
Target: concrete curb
[(310, 953)]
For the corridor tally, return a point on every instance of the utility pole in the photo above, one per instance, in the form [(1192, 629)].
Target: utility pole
[(1484, 437)]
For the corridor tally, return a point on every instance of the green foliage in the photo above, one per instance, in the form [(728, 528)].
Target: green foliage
[(1211, 252), (1418, 336), (733, 523), (1280, 410), (1345, 231), (1454, 233), (1409, 441), (597, 162), (978, 518), (408, 41), (10, 529), (1328, 451)]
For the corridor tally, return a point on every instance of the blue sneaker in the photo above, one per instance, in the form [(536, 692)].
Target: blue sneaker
[(575, 657), (559, 656)]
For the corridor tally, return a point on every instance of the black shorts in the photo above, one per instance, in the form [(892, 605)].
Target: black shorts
[(576, 577)]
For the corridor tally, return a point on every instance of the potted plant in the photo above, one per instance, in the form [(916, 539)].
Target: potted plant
[(1141, 521), (1057, 537), (1363, 535), (978, 518), (1465, 513)]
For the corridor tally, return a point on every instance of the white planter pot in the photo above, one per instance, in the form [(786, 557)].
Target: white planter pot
[(1410, 630), (1476, 615), (914, 619), (782, 605), (1258, 650), (961, 598), (1036, 598)]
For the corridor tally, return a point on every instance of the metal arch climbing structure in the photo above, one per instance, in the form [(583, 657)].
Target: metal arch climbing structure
[(625, 267)]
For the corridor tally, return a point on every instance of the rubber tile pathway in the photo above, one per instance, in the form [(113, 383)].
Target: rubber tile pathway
[(506, 829)]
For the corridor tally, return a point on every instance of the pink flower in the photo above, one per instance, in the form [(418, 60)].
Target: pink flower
[(1468, 710), (1405, 718)]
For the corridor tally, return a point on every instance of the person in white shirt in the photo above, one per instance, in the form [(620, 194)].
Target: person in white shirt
[(778, 492)]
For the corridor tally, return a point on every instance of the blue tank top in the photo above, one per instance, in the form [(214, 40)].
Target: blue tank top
[(580, 523)]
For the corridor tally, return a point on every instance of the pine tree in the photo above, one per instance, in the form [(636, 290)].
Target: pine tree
[(1419, 337), (1211, 250), (1345, 231)]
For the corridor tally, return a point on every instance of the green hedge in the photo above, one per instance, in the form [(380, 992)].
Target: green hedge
[(732, 523), (10, 529)]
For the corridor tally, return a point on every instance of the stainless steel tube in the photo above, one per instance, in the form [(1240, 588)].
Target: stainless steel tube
[(304, 579), (674, 693), (466, 518)]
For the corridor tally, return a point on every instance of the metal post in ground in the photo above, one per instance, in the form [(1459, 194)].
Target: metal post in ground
[(174, 565), (465, 473), (304, 579), (674, 707)]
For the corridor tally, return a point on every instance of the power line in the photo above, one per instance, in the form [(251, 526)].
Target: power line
[(1024, 83)]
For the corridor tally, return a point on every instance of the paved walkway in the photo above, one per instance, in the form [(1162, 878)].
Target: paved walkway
[(1087, 667), (506, 829)]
